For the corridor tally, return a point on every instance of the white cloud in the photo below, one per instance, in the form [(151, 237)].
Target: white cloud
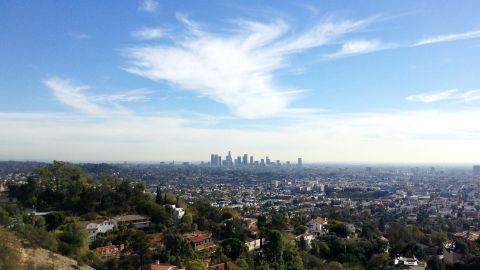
[(333, 137), (127, 96), (73, 95), (235, 68), (452, 94), (80, 35), (359, 47), (149, 5), (148, 33), (76, 97), (447, 38)]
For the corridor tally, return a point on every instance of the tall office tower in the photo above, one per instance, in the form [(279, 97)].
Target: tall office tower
[(219, 161), (215, 159), (267, 159), (238, 161), (245, 159), (299, 162), (278, 162), (212, 160), (476, 170), (251, 160), (229, 161), (262, 161)]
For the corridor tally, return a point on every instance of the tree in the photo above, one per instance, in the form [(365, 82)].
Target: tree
[(72, 240), (378, 261), (334, 265), (279, 222), (274, 247), (435, 264), (320, 249), (54, 220), (233, 248), (4, 217), (292, 258), (158, 197), (186, 224), (438, 238), (302, 244), (339, 229), (177, 248), (195, 265)]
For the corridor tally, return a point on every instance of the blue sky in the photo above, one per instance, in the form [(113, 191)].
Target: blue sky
[(349, 81)]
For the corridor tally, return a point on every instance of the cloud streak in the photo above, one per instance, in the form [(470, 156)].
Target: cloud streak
[(448, 38), (235, 68), (76, 97), (148, 33), (360, 47), (451, 95)]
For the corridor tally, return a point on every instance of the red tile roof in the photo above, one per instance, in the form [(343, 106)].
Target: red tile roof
[(197, 237)]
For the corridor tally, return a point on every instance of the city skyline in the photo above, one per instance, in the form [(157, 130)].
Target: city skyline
[(248, 160), (331, 82)]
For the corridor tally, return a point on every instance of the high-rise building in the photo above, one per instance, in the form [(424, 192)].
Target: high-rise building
[(238, 161), (215, 160), (212, 160), (476, 170), (229, 161), (219, 161), (262, 161), (299, 162), (251, 160), (267, 160), (245, 159)]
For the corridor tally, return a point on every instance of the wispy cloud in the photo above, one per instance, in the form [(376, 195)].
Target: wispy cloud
[(448, 38), (148, 33), (236, 68), (360, 47), (452, 94), (149, 5), (76, 97), (80, 36), (73, 95), (127, 96)]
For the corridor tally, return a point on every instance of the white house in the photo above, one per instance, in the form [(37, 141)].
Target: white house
[(95, 227), (308, 237), (253, 244), (316, 226), (178, 212)]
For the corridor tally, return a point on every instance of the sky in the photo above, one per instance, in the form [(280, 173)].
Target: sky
[(156, 80)]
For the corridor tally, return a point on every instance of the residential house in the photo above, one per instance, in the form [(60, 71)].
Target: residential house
[(308, 237), (138, 221), (200, 240), (110, 250), (253, 244), (95, 227), (178, 212), (316, 226)]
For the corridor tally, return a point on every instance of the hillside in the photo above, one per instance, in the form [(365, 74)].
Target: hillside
[(33, 258)]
